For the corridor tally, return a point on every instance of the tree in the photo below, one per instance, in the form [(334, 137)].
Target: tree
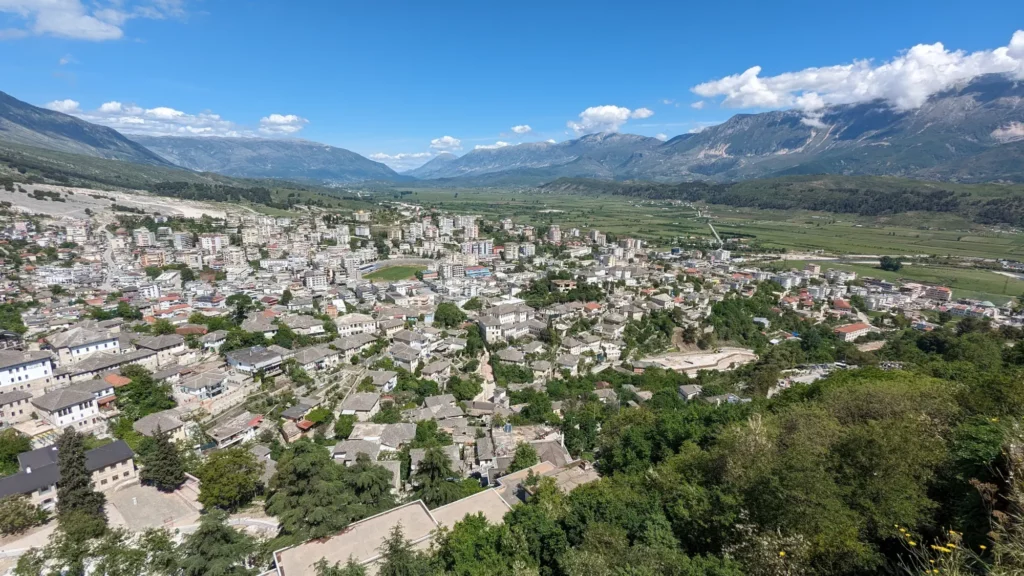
[(12, 443), (525, 456), (163, 467), (230, 478), (286, 297), (351, 568), (143, 395), (473, 303), (890, 263), (313, 496), (448, 315), (464, 389), (75, 491), (398, 558), (434, 478), (162, 327), (17, 514), (343, 426), (217, 549)]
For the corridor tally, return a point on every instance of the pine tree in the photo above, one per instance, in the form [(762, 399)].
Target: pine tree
[(216, 548), (163, 467), (77, 498), (434, 479)]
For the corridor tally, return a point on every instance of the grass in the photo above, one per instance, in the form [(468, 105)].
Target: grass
[(395, 273), (972, 283)]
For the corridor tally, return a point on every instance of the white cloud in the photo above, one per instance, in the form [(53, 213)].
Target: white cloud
[(661, 137), (1010, 133), (65, 60), (446, 144), (282, 124), (167, 121), (698, 105), (905, 82), (522, 129), (550, 141), (495, 146), (402, 160), (667, 101), (80, 21), (65, 106), (641, 113), (606, 118)]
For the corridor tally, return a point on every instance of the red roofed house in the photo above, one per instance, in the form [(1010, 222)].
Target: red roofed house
[(851, 332)]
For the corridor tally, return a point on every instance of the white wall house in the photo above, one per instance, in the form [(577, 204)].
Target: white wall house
[(28, 371)]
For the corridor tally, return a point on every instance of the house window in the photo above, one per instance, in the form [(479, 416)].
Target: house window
[(126, 474)]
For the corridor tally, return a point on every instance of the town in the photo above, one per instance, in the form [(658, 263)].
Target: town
[(456, 361)]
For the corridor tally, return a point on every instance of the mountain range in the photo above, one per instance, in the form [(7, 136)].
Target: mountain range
[(972, 132), (268, 158)]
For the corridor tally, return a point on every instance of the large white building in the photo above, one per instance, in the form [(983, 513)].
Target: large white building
[(352, 324), (27, 371)]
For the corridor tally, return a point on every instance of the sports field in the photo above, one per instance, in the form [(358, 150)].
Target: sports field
[(395, 273)]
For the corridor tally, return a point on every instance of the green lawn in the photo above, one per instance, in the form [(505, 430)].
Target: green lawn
[(395, 273)]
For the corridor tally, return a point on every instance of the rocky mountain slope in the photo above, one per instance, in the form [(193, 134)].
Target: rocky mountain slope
[(24, 124)]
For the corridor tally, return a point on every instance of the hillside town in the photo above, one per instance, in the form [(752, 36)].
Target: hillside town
[(461, 356)]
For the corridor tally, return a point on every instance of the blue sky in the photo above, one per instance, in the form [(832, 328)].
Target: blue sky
[(387, 78)]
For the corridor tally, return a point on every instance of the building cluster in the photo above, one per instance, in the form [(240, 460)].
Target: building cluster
[(311, 314)]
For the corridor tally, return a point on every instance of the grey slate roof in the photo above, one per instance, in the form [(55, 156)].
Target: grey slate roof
[(360, 401), (166, 420), (161, 342), (10, 358), (46, 472), (63, 398), (13, 396)]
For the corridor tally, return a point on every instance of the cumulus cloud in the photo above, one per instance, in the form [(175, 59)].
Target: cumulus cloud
[(1010, 133), (698, 105), (157, 121), (905, 81), (641, 113), (446, 144), (661, 137), (522, 129), (66, 106), (550, 141), (277, 124), (606, 118), (77, 20), (495, 146), (402, 160)]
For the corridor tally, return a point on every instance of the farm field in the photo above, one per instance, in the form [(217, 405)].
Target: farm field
[(661, 222), (972, 283), (395, 273)]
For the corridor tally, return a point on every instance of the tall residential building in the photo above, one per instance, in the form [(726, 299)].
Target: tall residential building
[(183, 240), (555, 234)]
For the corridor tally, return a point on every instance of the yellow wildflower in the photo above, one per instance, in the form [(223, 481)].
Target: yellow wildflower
[(912, 543), (782, 553), (983, 547)]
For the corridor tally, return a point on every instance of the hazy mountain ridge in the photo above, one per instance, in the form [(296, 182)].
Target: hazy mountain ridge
[(268, 158), (24, 124)]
